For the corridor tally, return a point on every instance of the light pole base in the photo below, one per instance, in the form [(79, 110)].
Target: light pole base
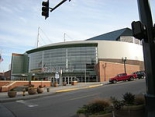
[(150, 105)]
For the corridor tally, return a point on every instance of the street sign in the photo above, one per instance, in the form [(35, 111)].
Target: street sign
[(56, 75)]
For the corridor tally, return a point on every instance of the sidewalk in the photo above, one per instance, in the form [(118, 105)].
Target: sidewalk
[(52, 90)]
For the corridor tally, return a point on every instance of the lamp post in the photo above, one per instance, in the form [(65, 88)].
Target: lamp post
[(124, 61), (29, 78), (104, 67), (85, 74), (60, 76)]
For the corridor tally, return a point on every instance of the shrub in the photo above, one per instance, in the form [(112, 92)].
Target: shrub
[(40, 86), (139, 99), (96, 106), (12, 89), (128, 98), (117, 104)]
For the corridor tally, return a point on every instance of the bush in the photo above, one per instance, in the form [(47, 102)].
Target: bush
[(128, 98), (97, 106), (139, 99), (117, 104), (40, 86), (12, 89)]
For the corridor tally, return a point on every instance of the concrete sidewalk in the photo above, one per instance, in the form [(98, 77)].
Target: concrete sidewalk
[(4, 112), (52, 90)]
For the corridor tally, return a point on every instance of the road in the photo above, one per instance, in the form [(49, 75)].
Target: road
[(66, 104)]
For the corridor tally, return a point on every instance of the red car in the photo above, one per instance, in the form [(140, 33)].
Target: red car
[(122, 77)]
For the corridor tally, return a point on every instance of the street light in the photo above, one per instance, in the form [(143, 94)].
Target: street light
[(104, 67), (124, 61), (85, 74), (60, 77)]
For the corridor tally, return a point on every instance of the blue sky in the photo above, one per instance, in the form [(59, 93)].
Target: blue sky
[(78, 19)]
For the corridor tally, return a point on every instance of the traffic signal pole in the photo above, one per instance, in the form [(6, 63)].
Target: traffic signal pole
[(149, 55), (52, 9), (45, 7)]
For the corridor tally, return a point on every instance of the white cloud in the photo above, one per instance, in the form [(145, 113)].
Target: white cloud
[(5, 9), (79, 19)]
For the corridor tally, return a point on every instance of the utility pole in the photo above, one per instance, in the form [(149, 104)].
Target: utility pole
[(145, 31)]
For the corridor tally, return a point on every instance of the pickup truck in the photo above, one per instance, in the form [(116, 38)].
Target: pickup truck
[(122, 77)]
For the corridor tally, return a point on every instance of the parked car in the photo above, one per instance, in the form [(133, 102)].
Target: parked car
[(122, 77), (140, 74), (2, 78)]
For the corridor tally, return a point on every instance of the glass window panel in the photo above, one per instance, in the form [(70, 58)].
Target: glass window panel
[(74, 58)]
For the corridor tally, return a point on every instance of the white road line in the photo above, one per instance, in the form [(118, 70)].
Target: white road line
[(85, 96), (27, 103)]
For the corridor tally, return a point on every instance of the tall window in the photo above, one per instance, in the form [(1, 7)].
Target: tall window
[(68, 59)]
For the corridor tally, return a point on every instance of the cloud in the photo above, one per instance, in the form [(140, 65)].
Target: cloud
[(79, 19), (5, 9)]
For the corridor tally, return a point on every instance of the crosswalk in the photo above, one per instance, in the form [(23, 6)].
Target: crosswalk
[(27, 103)]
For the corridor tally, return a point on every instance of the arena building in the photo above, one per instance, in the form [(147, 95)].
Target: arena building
[(92, 60)]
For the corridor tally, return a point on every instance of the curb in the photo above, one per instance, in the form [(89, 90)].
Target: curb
[(67, 90), (46, 94), (95, 86)]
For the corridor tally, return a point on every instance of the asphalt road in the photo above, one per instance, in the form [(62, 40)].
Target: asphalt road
[(66, 104)]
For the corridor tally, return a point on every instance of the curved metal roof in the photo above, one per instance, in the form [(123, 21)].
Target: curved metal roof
[(111, 36), (114, 35)]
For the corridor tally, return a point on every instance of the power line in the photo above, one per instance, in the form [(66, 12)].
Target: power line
[(45, 35), (67, 36), (39, 36)]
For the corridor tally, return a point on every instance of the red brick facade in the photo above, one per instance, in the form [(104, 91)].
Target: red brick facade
[(6, 85), (107, 70)]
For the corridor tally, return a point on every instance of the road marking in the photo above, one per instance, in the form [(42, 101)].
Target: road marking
[(27, 103), (95, 86), (65, 90), (83, 96)]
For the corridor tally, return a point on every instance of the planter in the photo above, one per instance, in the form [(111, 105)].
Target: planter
[(32, 91), (64, 83), (40, 90), (48, 89), (55, 84), (12, 94), (74, 82), (82, 115), (130, 111), (101, 115)]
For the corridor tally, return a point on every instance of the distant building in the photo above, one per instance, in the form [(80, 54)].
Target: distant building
[(95, 59), (5, 75)]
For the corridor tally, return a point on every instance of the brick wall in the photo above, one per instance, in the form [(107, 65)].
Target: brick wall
[(13, 84), (2, 82), (111, 69)]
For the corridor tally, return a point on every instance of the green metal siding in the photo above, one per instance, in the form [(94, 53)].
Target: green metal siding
[(61, 46), (19, 64)]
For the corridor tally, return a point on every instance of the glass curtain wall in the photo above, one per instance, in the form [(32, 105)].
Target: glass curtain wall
[(68, 59)]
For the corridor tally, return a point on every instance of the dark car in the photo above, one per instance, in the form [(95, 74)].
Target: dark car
[(2, 78), (140, 74)]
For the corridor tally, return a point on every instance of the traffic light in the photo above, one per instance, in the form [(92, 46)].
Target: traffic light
[(139, 30), (45, 9)]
